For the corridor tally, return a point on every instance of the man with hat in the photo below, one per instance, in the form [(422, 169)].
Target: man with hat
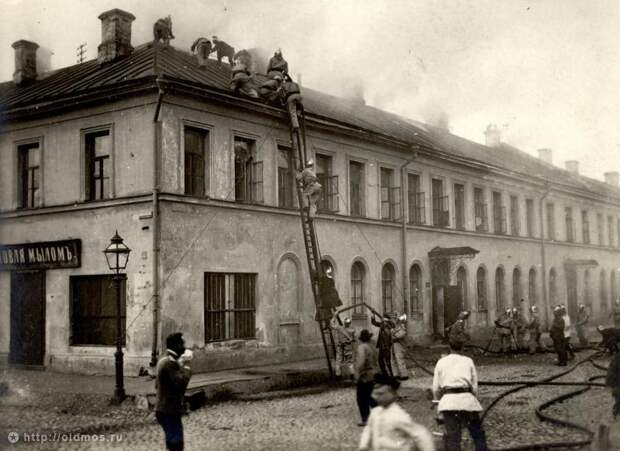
[(610, 338), (389, 426), (366, 368), (311, 187), (345, 337), (567, 332), (533, 326), (504, 330), (455, 385), (557, 335), (399, 338), (457, 332), (582, 320), (384, 342)]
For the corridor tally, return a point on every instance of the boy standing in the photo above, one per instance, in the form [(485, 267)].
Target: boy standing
[(389, 426), (366, 368)]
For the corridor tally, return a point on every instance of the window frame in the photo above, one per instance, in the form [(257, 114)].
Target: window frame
[(289, 195), (481, 210), (585, 227), (84, 191), (459, 205), (30, 143), (441, 204), (362, 281), (206, 147), (416, 291), (569, 221), (389, 195), (515, 226), (416, 200), (529, 217), (362, 190), (253, 184)]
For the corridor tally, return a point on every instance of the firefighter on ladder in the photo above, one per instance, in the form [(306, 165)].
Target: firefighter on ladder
[(311, 187), (345, 339)]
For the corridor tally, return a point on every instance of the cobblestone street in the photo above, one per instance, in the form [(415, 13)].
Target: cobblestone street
[(324, 417)]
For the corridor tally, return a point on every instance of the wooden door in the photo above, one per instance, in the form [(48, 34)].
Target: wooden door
[(27, 318)]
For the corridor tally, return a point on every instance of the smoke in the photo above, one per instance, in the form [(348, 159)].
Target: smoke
[(433, 114)]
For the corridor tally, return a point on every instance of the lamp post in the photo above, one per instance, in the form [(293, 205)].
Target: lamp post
[(117, 255)]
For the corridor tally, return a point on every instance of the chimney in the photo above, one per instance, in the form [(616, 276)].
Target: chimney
[(545, 155), (115, 35), (492, 135), (572, 166), (25, 61), (613, 178)]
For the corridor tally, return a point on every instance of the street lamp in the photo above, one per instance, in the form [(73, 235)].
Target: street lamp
[(117, 255)]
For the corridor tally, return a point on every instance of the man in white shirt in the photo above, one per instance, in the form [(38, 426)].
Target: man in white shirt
[(455, 384), (567, 332), (389, 427)]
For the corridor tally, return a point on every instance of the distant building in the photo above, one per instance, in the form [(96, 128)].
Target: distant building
[(200, 184)]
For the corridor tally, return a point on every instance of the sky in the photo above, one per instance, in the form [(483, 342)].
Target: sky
[(547, 72)]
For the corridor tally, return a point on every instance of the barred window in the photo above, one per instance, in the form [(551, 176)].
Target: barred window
[(481, 288), (93, 310), (230, 306), (415, 289), (358, 276), (387, 287), (500, 289), (417, 210)]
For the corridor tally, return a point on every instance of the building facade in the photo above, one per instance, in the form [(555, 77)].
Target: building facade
[(200, 184)]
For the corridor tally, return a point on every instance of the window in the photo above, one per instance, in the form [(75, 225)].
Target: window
[(286, 177), (587, 288), (550, 221), (356, 189), (196, 142), (499, 213), (480, 211), (93, 310), (441, 216), (610, 231), (603, 289), (358, 275), (387, 287), (98, 147), (417, 211), (390, 195), (461, 283), (529, 217), (585, 221), (328, 202), (415, 289), (500, 289), (514, 215), (553, 287), (599, 226), (531, 291), (248, 172), (28, 175), (568, 217), (516, 287), (230, 306), (481, 288), (459, 206)]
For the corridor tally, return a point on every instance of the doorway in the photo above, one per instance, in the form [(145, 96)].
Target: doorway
[(27, 318)]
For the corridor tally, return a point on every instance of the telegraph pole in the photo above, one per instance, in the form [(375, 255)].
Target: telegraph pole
[(81, 53)]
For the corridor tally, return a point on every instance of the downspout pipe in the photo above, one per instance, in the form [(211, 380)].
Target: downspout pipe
[(542, 255), (403, 217), (156, 226)]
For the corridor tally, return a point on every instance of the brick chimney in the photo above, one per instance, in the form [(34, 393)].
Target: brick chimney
[(613, 178), (115, 35), (572, 166), (545, 155), (25, 61), (492, 136)]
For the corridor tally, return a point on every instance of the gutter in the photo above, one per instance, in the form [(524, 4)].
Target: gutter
[(403, 199), (542, 256), (156, 226)]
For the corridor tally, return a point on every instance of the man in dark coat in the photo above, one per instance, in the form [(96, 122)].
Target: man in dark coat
[(610, 338), (173, 374), (613, 381), (557, 335), (365, 367), (384, 342)]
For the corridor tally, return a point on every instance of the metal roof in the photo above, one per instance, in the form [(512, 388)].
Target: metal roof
[(171, 64)]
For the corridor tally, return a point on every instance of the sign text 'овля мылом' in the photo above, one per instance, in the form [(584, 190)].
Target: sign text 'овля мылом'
[(44, 255)]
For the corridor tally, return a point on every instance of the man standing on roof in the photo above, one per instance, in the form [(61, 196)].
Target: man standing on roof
[(277, 65), (291, 98), (202, 48)]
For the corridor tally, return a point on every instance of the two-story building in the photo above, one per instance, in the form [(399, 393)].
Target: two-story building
[(200, 184)]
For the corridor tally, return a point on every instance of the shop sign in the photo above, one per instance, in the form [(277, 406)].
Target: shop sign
[(44, 255)]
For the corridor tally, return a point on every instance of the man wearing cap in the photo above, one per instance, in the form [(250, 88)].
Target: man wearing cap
[(365, 370), (389, 426), (557, 335), (610, 338), (533, 327), (311, 186), (582, 320), (455, 385), (345, 337), (504, 330), (399, 338), (567, 332), (384, 342), (457, 332)]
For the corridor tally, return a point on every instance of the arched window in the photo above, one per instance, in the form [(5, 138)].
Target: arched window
[(358, 279), (415, 289), (587, 288), (500, 288), (553, 287), (387, 287), (461, 282), (481, 288), (531, 289), (614, 288), (603, 289), (516, 287)]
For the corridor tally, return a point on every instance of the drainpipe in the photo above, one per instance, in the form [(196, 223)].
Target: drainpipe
[(156, 226), (542, 255), (403, 199)]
